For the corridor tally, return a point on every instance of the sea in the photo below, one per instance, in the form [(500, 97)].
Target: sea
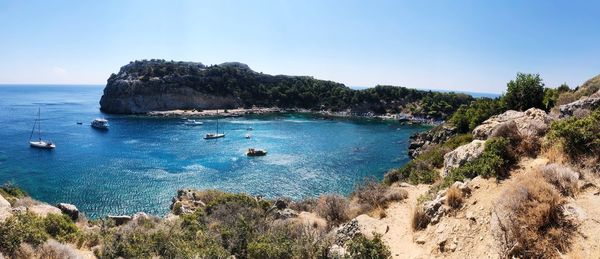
[(141, 161)]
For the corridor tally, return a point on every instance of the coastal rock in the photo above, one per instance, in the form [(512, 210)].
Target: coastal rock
[(285, 213), (120, 220), (69, 209), (421, 141), (582, 106), (44, 209), (462, 155), (4, 203), (346, 232), (532, 122)]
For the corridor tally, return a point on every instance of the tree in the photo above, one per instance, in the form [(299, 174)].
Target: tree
[(525, 92)]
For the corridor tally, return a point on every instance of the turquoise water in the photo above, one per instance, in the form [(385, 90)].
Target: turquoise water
[(141, 161)]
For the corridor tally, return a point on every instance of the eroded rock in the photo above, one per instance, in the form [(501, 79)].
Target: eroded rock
[(462, 155), (532, 122)]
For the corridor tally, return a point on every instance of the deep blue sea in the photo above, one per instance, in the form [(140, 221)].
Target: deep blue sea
[(139, 163)]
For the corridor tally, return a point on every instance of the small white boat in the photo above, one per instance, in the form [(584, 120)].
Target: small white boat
[(193, 122), (43, 144), (100, 124), (217, 134), (248, 136), (213, 135), (256, 152)]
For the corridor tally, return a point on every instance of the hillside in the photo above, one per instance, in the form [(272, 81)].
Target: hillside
[(159, 85)]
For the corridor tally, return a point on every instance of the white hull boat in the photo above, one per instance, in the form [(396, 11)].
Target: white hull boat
[(213, 135), (100, 124), (42, 144)]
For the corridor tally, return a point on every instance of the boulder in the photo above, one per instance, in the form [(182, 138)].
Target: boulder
[(120, 220), (69, 209), (281, 204), (4, 203), (44, 209), (532, 122), (285, 213), (346, 232), (462, 155), (584, 104), (419, 142)]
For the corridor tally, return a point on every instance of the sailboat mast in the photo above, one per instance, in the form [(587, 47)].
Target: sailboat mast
[(39, 124), (217, 121)]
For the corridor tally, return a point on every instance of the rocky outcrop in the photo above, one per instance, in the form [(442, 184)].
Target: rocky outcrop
[(422, 141), (69, 209), (532, 122), (462, 155), (583, 106), (5, 209)]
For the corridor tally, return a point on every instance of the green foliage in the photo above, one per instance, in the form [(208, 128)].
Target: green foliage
[(271, 246), (364, 248), (9, 190), (525, 92), (61, 227), (466, 118), (23, 227), (578, 136), (257, 89), (493, 162), (423, 169)]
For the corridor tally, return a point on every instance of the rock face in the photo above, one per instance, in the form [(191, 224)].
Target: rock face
[(584, 105), (69, 209), (532, 122), (5, 209), (423, 140), (462, 155)]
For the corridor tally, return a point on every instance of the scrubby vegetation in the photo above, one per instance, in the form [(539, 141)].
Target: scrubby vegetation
[(257, 89), (419, 219), (530, 220), (578, 137), (364, 248), (423, 169), (466, 118), (454, 197), (526, 91)]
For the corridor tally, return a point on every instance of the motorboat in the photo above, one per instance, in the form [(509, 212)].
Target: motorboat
[(248, 136), (42, 144), (100, 124), (256, 152), (190, 122), (213, 135)]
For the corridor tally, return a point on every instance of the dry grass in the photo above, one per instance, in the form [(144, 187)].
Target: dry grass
[(419, 219), (555, 154), (374, 197), (334, 208), (528, 221), (55, 250), (454, 197), (529, 146), (562, 177)]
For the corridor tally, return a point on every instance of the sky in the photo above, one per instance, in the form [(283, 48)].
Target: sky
[(456, 45)]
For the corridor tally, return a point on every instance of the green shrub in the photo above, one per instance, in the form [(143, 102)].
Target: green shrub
[(271, 246), (21, 228), (578, 136), (423, 168), (362, 247), (466, 118), (525, 92), (494, 162), (61, 227)]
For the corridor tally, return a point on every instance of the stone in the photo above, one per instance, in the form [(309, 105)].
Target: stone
[(44, 209), (281, 204), (532, 122), (336, 251), (69, 209), (286, 213), (462, 155), (346, 232), (420, 142), (470, 216), (140, 215), (584, 104), (421, 240), (120, 220), (4, 203)]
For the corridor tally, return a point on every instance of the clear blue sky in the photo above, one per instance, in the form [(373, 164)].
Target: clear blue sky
[(460, 45)]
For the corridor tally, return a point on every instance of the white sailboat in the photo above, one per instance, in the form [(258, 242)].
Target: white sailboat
[(217, 134), (43, 144)]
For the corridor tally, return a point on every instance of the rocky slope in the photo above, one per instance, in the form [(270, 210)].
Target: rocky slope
[(159, 85)]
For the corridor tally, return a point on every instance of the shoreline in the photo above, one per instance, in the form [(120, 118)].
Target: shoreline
[(403, 119)]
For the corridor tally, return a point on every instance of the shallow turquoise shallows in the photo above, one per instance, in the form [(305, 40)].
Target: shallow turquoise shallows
[(140, 162)]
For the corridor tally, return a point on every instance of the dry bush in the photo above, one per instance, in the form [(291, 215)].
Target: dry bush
[(529, 146), (55, 250), (454, 197), (333, 208), (527, 220), (25, 202), (306, 204), (419, 219), (25, 251), (369, 192), (555, 154), (563, 178), (394, 195)]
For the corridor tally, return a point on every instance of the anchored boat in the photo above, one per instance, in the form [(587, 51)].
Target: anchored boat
[(100, 124), (256, 152), (43, 144)]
